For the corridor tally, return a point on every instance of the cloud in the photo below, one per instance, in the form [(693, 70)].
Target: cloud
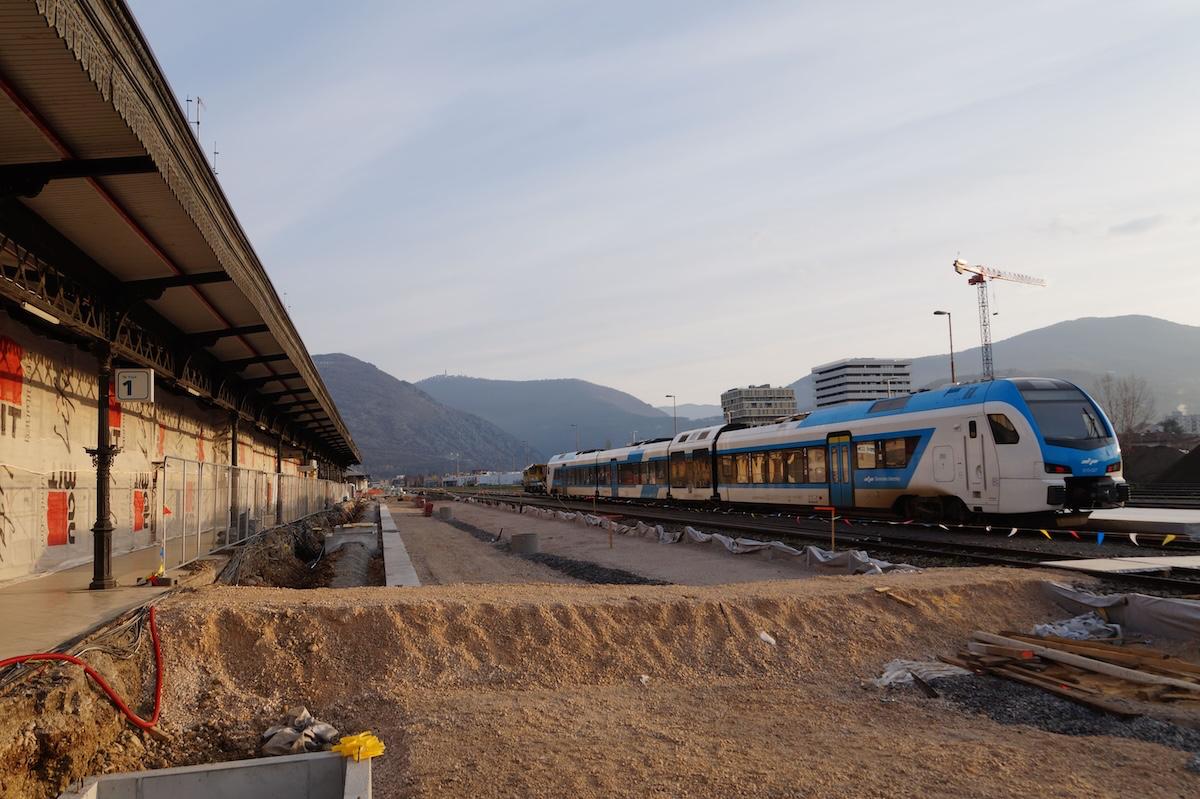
[(1138, 225)]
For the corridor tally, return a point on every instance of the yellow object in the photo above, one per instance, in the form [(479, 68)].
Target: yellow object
[(1168, 540), (362, 746), (1046, 534)]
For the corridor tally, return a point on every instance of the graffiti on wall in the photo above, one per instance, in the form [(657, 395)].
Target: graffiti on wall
[(12, 386)]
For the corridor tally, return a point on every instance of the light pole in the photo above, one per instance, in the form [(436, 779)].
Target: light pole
[(576, 429), (950, 327), (674, 417)]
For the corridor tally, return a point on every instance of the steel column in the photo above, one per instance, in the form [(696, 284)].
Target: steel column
[(102, 456)]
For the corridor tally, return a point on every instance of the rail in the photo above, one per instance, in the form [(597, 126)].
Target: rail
[(1164, 495)]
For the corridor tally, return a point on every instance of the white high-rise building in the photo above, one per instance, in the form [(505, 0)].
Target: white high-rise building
[(755, 405), (855, 379)]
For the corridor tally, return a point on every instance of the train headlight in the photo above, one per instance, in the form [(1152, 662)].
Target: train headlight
[(1054, 468)]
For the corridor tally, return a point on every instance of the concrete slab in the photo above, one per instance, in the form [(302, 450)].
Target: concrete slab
[(1130, 565), (397, 566), (41, 613), (1167, 521), (316, 775)]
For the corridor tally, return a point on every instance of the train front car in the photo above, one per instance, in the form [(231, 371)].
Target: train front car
[(1078, 467)]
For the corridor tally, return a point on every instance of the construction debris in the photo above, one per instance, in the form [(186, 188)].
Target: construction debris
[(1100, 675), (300, 733), (1082, 627)]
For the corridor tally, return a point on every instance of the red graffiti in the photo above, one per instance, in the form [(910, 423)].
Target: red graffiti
[(162, 440), (12, 374), (114, 408), (139, 510), (56, 518)]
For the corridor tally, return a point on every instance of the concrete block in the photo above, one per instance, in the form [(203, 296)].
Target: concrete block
[(524, 543), (444, 512)]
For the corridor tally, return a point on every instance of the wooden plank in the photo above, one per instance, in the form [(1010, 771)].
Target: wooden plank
[(1148, 658), (1015, 653), (1070, 693), (1091, 664)]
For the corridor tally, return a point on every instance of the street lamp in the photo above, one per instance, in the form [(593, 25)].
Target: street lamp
[(576, 429), (950, 327), (674, 418)]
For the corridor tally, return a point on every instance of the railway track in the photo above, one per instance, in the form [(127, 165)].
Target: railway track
[(865, 534)]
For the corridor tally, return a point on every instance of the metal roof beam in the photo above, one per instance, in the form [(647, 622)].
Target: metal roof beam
[(262, 381), (153, 288), (28, 180), (210, 337), (241, 363)]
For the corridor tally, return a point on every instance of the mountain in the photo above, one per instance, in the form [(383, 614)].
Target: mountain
[(1080, 350), (692, 410), (542, 412), (402, 430)]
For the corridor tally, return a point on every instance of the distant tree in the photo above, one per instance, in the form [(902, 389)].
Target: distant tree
[(1172, 427), (1127, 401)]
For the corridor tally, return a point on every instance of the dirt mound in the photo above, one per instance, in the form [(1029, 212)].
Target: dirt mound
[(1145, 464), (1184, 470), (262, 648)]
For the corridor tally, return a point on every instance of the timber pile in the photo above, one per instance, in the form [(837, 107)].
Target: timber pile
[(1099, 675)]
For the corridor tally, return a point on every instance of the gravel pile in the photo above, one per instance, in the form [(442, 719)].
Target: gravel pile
[(1012, 703)]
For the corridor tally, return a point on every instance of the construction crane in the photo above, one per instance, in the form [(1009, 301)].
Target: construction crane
[(980, 275)]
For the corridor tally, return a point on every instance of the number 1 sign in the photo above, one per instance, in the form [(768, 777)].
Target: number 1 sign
[(135, 385)]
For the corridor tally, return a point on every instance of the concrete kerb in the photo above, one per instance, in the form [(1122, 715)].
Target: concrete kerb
[(397, 565)]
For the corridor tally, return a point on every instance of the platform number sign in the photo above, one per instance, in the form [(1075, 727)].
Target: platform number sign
[(135, 385)]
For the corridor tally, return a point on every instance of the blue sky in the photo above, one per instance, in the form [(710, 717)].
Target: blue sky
[(678, 197)]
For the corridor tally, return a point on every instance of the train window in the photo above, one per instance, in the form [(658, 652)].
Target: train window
[(816, 464), (894, 455), (973, 429), (1003, 430), (702, 436), (775, 473), (794, 465), (866, 454), (726, 468), (660, 471), (628, 473), (683, 438), (742, 464), (758, 467), (679, 475), (890, 404), (701, 469)]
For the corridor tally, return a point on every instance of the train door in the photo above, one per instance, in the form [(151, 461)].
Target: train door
[(974, 456), (841, 474), (614, 483)]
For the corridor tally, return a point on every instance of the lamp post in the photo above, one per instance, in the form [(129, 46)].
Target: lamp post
[(950, 327), (576, 429), (674, 417)]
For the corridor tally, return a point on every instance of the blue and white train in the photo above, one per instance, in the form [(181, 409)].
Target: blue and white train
[(998, 448)]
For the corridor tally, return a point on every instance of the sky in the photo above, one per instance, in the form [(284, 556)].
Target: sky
[(681, 196)]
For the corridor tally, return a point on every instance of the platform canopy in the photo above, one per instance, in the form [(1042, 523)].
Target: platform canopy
[(113, 225)]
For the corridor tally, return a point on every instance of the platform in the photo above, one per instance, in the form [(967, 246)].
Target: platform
[(1167, 521), (1129, 565), (41, 613)]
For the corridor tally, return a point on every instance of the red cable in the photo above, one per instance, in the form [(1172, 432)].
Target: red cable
[(134, 719)]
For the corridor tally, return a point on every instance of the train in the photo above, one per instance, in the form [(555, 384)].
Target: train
[(533, 478), (1012, 447)]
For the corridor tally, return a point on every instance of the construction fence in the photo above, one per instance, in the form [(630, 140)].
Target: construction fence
[(205, 506)]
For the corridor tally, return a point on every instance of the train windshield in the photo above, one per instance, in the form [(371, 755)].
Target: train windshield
[(1065, 415)]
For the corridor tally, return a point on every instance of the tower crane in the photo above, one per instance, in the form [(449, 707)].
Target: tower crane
[(980, 275)]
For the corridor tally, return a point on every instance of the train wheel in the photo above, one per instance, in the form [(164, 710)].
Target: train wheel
[(954, 511)]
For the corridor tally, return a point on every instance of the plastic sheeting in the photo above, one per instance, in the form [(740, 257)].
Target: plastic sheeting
[(900, 672), (1084, 627), (1150, 615), (852, 561)]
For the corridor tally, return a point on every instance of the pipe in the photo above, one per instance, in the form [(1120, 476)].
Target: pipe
[(133, 718)]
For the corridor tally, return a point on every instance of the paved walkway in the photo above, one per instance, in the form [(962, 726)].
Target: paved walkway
[(41, 613)]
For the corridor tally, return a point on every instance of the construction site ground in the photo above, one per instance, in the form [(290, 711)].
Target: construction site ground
[(511, 681)]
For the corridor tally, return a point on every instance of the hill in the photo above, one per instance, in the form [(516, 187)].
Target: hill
[(1080, 350), (692, 410), (542, 412), (402, 430)]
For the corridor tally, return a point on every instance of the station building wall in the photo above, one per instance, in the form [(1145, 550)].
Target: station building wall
[(48, 405)]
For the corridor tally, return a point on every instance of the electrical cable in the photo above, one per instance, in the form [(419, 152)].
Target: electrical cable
[(133, 718)]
